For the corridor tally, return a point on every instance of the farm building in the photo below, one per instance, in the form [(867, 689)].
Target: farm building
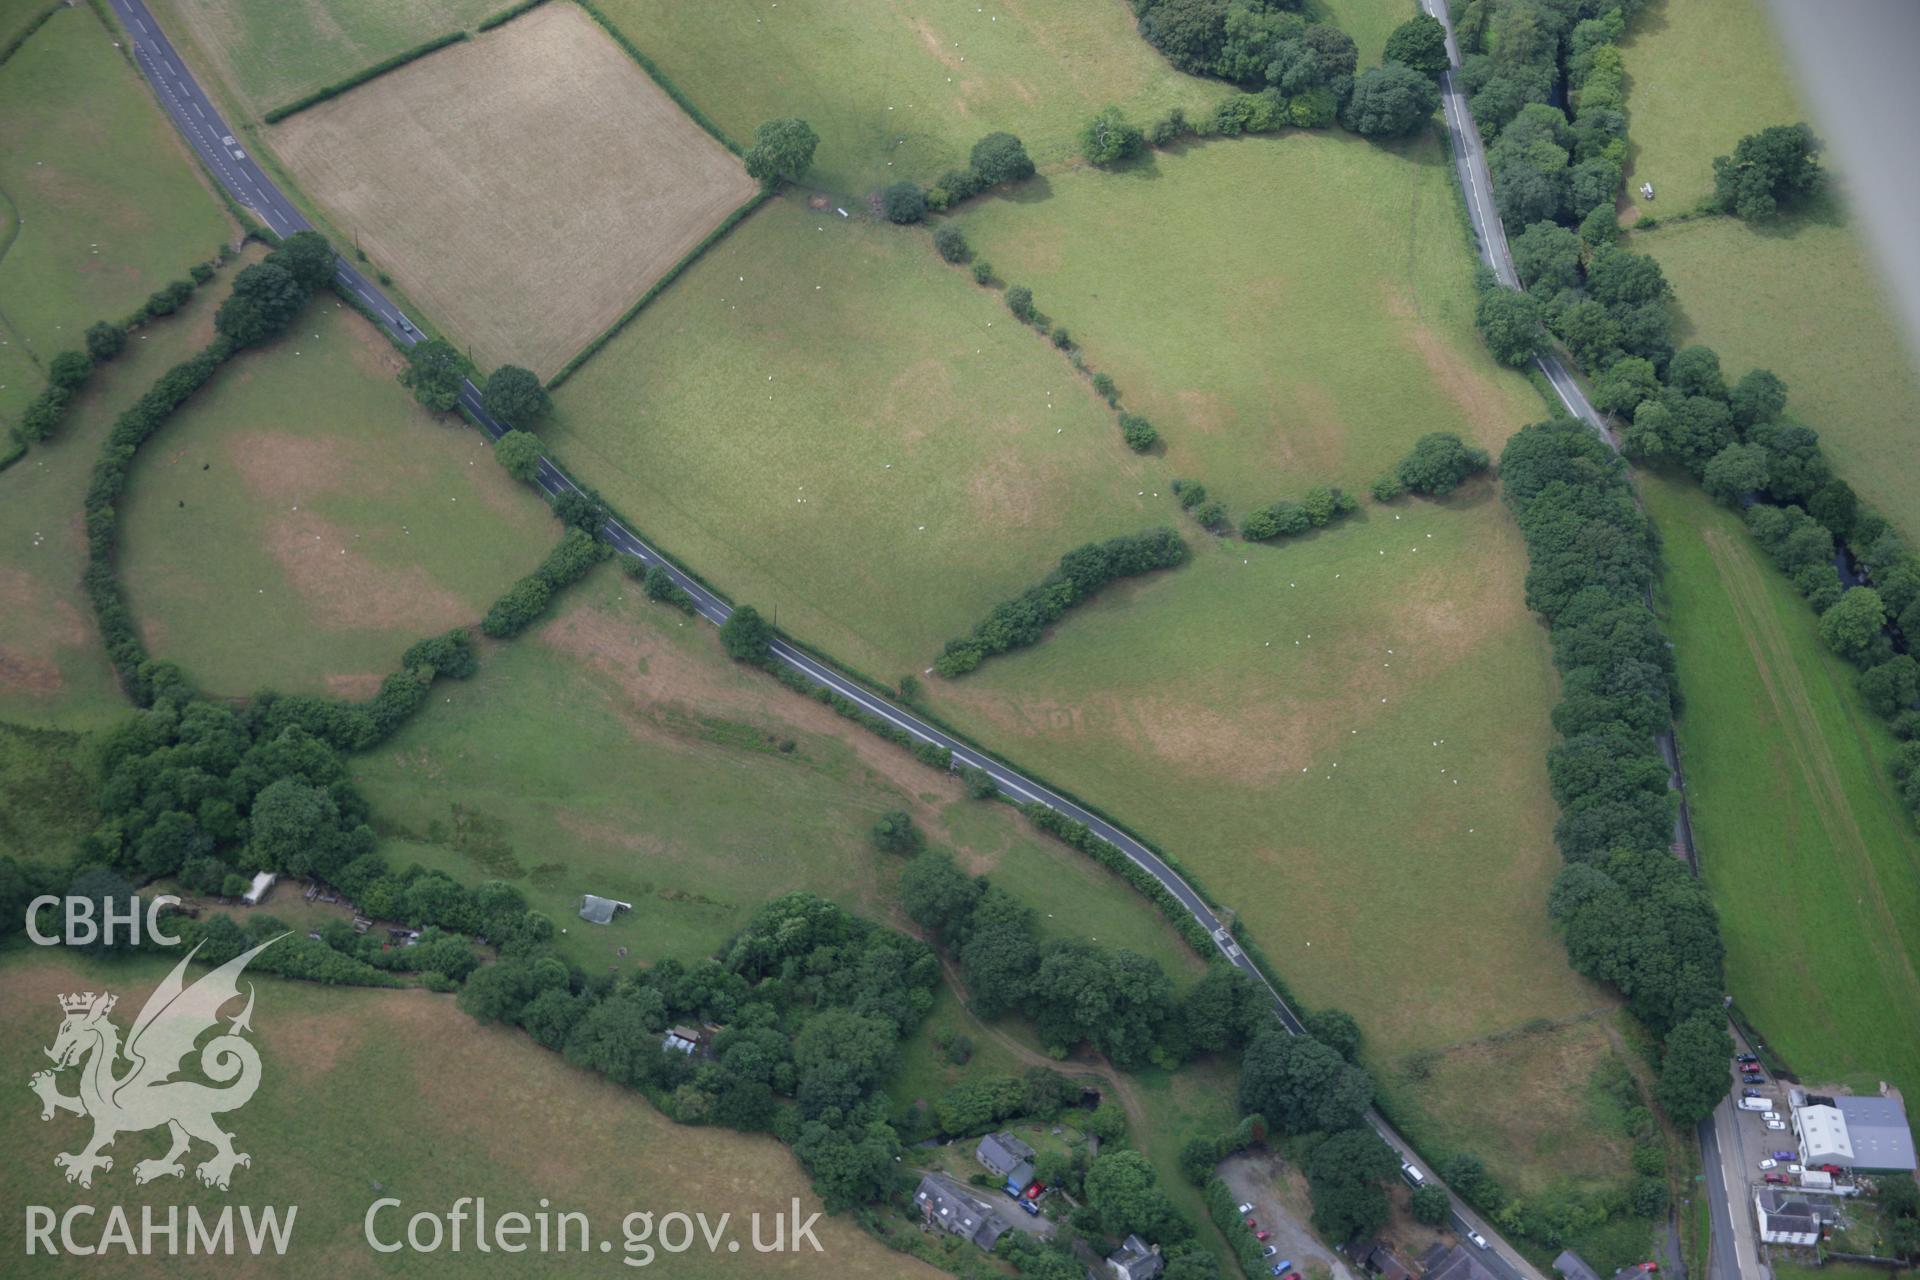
[(945, 1205), (1002, 1153), (257, 891), (598, 910), (1864, 1134), (1135, 1259)]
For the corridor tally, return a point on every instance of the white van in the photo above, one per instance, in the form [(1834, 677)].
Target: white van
[(1756, 1104), (1413, 1176)]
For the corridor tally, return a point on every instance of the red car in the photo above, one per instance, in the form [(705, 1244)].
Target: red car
[(1263, 1236), (1831, 1168), (1252, 1225), (1776, 1177), (1034, 1191)]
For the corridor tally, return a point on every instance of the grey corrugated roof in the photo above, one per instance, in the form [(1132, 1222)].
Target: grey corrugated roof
[(1574, 1267), (1878, 1131)]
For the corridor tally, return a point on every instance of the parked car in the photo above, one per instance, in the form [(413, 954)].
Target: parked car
[(1776, 1124), (1781, 1155), (1033, 1210), (1246, 1208), (1794, 1168), (1281, 1267), (1746, 1057), (1269, 1250), (1263, 1236), (1769, 1164), (1776, 1177), (1037, 1190), (1252, 1225), (1831, 1168), (1752, 1077), (1752, 1093), (1771, 1115)]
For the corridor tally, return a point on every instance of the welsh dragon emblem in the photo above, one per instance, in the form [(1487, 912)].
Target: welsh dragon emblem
[(146, 1094)]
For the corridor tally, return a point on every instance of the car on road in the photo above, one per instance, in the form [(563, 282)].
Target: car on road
[(1246, 1208), (1414, 1177), (1769, 1164), (1479, 1241), (1776, 1124)]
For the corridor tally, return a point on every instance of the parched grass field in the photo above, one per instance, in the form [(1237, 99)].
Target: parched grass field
[(370, 1094), (904, 91), (303, 519), (1344, 739), (273, 51), (53, 671), (1701, 75), (1804, 299), (525, 187), (617, 751), (1288, 310), (829, 422), (1522, 1101), (1813, 864), (105, 204)]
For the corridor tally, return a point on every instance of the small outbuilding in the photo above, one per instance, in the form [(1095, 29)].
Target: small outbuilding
[(257, 891), (598, 910)]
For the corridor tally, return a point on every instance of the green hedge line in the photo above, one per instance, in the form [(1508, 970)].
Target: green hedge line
[(733, 220), (508, 14), (14, 449), (660, 78), (39, 20), (1225, 1213), (380, 68), (1108, 855)]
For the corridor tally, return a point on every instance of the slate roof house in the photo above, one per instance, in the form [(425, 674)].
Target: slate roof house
[(945, 1205), (1002, 1153), (1442, 1263), (1785, 1218), (1135, 1259)]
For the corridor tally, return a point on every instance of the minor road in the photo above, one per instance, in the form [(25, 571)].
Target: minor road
[(1476, 183), (200, 122)]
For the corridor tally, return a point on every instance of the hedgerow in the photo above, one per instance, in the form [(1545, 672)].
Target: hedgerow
[(338, 87), (1019, 622)]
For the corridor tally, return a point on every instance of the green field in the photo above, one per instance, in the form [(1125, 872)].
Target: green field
[(464, 1110), (53, 672), (1301, 782), (271, 52), (1369, 22), (1701, 75), (1288, 310), (946, 456), (904, 92), (1803, 298), (1813, 864), (108, 205), (304, 520), (617, 751)]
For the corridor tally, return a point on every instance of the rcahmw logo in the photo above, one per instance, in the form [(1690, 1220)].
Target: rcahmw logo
[(130, 1087)]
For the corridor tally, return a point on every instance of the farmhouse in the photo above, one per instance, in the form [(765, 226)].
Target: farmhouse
[(1864, 1134), (1135, 1259), (1387, 1264), (1785, 1218), (1002, 1153), (1442, 1263), (944, 1205)]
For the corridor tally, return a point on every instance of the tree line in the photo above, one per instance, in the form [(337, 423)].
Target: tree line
[(1019, 622)]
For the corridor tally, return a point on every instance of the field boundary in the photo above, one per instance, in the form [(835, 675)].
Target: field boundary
[(654, 290), (508, 14), (38, 21), (358, 78), (667, 86)]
